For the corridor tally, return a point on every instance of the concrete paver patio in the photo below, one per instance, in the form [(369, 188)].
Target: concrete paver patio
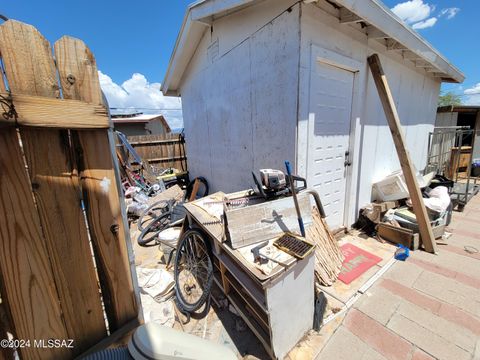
[(427, 307)]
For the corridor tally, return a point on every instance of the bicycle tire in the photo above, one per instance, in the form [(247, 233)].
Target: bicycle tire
[(186, 242), (149, 233), (154, 206)]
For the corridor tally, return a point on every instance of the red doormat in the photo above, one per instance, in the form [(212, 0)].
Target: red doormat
[(356, 262)]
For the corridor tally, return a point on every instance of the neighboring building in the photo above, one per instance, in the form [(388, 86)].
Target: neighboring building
[(462, 115), (266, 81), (140, 124)]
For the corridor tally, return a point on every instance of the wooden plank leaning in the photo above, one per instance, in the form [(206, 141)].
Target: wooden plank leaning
[(79, 78), (393, 120), (30, 70)]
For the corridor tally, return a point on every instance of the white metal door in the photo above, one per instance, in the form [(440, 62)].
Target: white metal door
[(331, 96)]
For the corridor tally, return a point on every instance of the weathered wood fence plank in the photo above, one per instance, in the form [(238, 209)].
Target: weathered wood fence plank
[(47, 112), (56, 189), (51, 283), (160, 151), (75, 61), (30, 292)]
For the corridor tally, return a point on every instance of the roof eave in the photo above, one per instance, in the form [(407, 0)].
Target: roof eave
[(377, 15), (200, 14)]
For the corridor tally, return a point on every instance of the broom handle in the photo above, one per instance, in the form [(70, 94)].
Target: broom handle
[(295, 200)]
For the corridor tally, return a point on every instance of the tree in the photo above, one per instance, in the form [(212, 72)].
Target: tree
[(449, 98)]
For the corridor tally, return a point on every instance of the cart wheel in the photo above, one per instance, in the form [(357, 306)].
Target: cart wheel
[(460, 207), (193, 271)]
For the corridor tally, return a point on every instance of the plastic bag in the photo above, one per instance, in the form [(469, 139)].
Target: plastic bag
[(439, 199)]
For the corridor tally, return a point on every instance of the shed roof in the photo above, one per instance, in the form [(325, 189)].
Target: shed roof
[(143, 118), (378, 21), (459, 108)]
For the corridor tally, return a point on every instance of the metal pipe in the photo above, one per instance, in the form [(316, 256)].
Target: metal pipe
[(295, 200), (318, 202)]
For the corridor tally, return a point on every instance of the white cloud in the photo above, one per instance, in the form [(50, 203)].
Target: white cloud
[(413, 11), (450, 12), (137, 94), (419, 14), (425, 24), (473, 97)]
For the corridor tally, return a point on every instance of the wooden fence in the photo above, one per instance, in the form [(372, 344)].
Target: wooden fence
[(161, 151), (56, 147)]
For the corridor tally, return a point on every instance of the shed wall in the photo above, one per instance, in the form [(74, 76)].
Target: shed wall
[(155, 127), (415, 94), (239, 95), (131, 129), (446, 119)]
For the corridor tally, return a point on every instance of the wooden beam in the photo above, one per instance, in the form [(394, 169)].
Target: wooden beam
[(165, 159), (398, 235), (346, 16), (196, 186), (375, 33), (409, 55), (156, 142), (393, 120), (393, 45), (42, 111), (422, 64)]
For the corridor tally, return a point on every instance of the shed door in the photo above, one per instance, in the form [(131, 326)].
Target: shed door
[(331, 93)]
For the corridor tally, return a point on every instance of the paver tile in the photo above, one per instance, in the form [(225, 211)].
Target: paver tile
[(451, 332), (403, 273), (346, 346), (381, 339), (378, 303), (449, 291), (427, 340), (421, 355)]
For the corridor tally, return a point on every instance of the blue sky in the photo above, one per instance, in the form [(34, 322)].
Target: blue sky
[(456, 38), (125, 36), (137, 37)]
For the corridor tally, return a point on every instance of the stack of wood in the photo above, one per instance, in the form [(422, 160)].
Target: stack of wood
[(328, 256)]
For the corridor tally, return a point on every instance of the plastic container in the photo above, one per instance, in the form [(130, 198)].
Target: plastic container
[(476, 168), (440, 180), (394, 187), (402, 252)]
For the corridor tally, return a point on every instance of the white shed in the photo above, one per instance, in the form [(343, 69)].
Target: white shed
[(263, 81)]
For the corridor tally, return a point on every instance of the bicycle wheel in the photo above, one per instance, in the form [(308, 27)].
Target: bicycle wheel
[(153, 212), (150, 233), (193, 271)]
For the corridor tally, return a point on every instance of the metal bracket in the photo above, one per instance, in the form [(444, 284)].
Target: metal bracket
[(347, 159), (8, 108)]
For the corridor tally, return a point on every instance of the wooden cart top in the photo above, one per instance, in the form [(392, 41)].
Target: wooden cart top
[(216, 229)]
